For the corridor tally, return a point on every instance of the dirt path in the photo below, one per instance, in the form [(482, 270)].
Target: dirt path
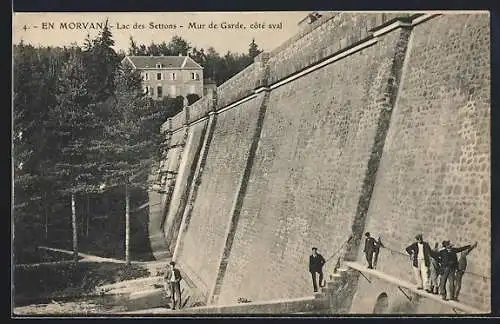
[(86, 257), (94, 258)]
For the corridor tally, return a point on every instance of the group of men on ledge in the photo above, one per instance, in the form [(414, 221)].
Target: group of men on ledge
[(438, 271)]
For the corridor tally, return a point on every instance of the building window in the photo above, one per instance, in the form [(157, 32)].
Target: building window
[(194, 76), (173, 76), (159, 65), (145, 76), (158, 76), (159, 91), (146, 90), (173, 91)]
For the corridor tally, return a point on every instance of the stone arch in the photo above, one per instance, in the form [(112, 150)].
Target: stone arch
[(382, 304)]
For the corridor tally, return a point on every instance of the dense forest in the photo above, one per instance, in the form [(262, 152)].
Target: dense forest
[(85, 138)]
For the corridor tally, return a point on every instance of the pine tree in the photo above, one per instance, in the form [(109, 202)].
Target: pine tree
[(130, 141), (253, 50), (133, 50), (35, 76), (101, 62), (74, 123)]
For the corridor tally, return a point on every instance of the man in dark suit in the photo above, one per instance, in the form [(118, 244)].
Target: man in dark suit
[(449, 263), (461, 267), (420, 253), (316, 262), (173, 282), (378, 245), (370, 248)]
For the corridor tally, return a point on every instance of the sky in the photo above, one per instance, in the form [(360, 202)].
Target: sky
[(60, 29)]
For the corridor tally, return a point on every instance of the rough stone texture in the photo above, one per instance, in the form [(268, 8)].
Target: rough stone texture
[(176, 144), (155, 232), (178, 121), (434, 174), (205, 236), (159, 201), (183, 182), (329, 34), (307, 177), (242, 84), (201, 108), (368, 292), (312, 168)]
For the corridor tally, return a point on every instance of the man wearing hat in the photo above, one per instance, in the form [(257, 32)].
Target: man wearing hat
[(370, 249), (449, 263), (420, 253), (172, 283), (316, 262), (461, 267), (434, 270)]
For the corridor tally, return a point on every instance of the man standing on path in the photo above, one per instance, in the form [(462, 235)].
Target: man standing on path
[(449, 264), (173, 281), (462, 266), (316, 262), (420, 253), (369, 250)]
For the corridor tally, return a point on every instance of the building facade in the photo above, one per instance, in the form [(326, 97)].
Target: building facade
[(168, 76)]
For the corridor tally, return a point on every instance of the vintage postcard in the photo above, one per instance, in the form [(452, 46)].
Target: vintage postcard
[(234, 163)]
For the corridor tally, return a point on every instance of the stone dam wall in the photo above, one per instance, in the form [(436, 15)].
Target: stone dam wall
[(362, 122)]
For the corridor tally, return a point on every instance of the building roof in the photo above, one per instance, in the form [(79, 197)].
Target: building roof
[(167, 62)]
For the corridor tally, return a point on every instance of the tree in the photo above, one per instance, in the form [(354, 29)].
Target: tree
[(130, 141), (86, 90), (101, 62), (35, 75), (178, 45), (253, 50), (133, 49), (192, 97)]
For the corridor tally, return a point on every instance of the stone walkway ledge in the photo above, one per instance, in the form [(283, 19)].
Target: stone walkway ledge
[(413, 288), (278, 306)]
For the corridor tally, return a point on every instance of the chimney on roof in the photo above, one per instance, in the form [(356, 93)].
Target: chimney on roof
[(180, 54)]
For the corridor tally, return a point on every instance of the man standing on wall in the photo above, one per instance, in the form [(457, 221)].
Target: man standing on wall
[(172, 281), (369, 250), (378, 245), (462, 266), (316, 262), (420, 253), (449, 263), (434, 270)]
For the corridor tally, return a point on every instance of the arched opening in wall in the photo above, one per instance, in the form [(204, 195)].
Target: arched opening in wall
[(382, 304)]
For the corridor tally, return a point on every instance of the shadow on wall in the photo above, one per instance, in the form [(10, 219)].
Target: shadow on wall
[(141, 247), (406, 306), (382, 304)]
